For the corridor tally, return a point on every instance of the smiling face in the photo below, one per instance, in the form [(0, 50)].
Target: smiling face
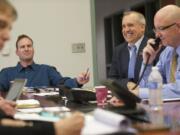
[(25, 50), (132, 28)]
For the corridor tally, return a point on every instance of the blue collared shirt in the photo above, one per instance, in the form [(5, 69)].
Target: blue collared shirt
[(36, 75), (137, 44), (131, 49), (169, 90)]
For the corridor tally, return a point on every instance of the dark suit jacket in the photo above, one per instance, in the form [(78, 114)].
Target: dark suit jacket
[(120, 62)]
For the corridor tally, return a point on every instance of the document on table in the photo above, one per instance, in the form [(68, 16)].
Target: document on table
[(48, 109), (35, 116), (29, 103), (46, 93), (106, 122), (42, 114)]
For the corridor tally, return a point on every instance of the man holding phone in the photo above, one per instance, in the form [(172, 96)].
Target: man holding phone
[(167, 28)]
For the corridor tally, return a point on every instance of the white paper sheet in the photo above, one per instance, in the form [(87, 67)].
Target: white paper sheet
[(46, 93), (29, 103), (31, 110), (48, 109), (36, 113), (35, 116), (105, 122)]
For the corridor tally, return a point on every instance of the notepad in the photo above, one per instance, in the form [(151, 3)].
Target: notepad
[(46, 94), (29, 103), (50, 114)]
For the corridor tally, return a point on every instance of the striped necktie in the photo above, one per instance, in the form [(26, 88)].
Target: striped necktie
[(132, 62), (173, 67)]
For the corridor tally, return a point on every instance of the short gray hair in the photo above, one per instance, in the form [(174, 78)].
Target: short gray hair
[(140, 17)]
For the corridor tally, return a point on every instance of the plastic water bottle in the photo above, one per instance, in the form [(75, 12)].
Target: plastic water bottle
[(155, 89)]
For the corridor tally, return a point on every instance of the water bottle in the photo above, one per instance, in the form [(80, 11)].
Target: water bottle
[(155, 87)]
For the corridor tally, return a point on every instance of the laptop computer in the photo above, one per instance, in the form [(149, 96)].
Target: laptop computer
[(16, 89)]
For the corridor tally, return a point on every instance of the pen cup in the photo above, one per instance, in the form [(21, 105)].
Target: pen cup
[(101, 96)]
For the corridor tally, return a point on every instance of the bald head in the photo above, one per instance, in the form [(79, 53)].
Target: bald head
[(168, 13), (167, 25)]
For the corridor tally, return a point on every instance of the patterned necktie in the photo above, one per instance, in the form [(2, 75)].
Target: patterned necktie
[(132, 62), (173, 67)]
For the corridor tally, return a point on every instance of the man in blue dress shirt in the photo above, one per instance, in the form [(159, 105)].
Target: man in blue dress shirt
[(167, 28), (68, 126), (37, 75)]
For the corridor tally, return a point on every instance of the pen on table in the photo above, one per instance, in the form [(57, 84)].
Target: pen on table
[(87, 71)]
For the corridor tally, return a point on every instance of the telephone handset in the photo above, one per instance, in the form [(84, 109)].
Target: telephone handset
[(157, 43)]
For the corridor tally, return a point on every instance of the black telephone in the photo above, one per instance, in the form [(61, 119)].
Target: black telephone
[(157, 43), (130, 108), (77, 95), (122, 93)]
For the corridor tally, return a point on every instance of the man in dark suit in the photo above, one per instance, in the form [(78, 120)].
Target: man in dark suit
[(127, 57)]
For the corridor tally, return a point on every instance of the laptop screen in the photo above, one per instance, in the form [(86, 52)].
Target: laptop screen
[(16, 89)]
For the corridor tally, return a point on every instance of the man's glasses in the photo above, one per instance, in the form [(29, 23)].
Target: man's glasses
[(163, 28)]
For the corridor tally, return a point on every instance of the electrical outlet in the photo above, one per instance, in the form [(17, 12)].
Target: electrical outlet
[(78, 48)]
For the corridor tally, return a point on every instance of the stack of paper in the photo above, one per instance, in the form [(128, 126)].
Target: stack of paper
[(46, 93), (29, 103), (35, 116), (50, 114), (105, 122)]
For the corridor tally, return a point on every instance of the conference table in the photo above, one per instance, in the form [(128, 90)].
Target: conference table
[(168, 116)]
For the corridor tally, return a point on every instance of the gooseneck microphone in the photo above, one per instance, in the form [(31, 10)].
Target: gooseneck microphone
[(155, 46)]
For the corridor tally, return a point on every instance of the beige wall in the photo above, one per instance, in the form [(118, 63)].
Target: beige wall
[(54, 25)]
